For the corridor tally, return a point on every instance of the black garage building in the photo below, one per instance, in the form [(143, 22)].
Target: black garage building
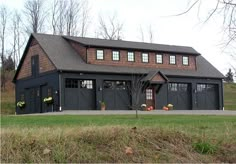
[(52, 66)]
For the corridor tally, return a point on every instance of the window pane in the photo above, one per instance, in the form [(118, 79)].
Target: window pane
[(130, 56), (201, 87), (121, 85), (145, 57), (172, 87), (108, 84), (159, 58), (183, 87), (100, 55), (149, 94), (87, 84), (185, 60), (115, 55), (71, 83), (172, 59)]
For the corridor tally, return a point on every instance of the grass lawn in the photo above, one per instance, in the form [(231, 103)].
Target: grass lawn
[(194, 125), (230, 96), (109, 138)]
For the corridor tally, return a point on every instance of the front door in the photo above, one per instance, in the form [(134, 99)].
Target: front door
[(34, 97), (150, 100)]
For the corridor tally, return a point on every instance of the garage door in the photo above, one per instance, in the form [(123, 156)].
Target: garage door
[(207, 96), (116, 95), (179, 95), (79, 94)]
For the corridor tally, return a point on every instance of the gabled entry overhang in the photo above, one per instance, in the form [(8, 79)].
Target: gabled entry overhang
[(155, 77)]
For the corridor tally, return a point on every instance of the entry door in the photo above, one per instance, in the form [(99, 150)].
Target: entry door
[(150, 100), (34, 97)]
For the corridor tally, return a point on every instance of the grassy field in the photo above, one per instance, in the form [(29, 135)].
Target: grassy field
[(114, 138), (230, 96)]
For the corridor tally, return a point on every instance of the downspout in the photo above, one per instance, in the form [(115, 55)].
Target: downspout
[(60, 108)]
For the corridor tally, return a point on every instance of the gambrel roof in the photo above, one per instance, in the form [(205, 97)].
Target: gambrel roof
[(65, 58)]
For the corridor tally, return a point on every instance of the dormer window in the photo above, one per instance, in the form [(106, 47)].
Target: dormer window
[(115, 55), (130, 56), (159, 58), (145, 57), (100, 55), (185, 60), (172, 59)]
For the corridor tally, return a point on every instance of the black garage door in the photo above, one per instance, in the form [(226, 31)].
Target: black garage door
[(179, 94), (79, 94), (116, 95), (207, 96)]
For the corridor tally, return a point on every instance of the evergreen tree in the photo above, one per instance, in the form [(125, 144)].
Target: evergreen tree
[(229, 77)]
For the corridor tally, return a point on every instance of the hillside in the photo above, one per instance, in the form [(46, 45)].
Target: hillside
[(230, 96)]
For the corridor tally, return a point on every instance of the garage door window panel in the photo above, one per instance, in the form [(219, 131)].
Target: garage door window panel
[(183, 87), (71, 83), (86, 84), (173, 87)]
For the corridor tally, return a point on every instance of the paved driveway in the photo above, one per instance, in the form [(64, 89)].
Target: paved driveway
[(154, 112)]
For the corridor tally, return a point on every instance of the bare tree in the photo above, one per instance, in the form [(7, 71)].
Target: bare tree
[(224, 8), (110, 29), (55, 10), (84, 18), (3, 24), (136, 89), (72, 17), (17, 37), (61, 17), (141, 33), (151, 34), (35, 15)]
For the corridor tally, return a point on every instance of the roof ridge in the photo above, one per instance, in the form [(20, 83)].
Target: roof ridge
[(100, 39)]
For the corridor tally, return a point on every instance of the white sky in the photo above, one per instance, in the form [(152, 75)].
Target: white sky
[(186, 30)]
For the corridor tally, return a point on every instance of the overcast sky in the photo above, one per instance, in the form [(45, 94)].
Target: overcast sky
[(186, 30)]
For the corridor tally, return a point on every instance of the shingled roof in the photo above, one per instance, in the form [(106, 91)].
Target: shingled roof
[(65, 58), (92, 42)]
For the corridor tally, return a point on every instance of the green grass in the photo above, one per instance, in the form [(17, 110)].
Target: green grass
[(104, 138), (195, 125), (230, 96), (8, 102)]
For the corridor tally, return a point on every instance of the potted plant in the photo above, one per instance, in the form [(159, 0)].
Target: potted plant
[(48, 100), (170, 106), (103, 105), (21, 104)]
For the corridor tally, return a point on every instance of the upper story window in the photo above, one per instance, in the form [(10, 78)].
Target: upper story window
[(159, 58), (100, 55), (130, 56), (115, 55), (145, 57), (172, 59), (35, 65), (185, 60)]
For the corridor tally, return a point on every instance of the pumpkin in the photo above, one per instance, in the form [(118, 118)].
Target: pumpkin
[(165, 108)]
